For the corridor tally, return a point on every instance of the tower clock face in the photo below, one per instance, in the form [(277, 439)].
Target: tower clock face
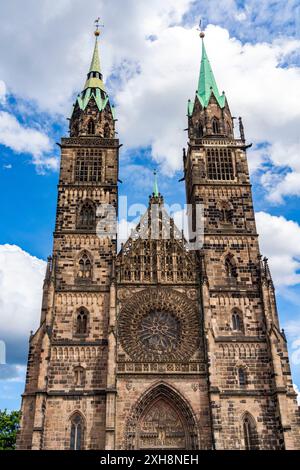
[(159, 331)]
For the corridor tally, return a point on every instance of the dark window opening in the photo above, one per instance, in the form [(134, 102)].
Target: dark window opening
[(215, 126), (88, 167), (82, 322), (250, 433), (219, 164), (226, 213), (87, 217), (76, 440), (242, 376), (230, 268), (236, 322), (91, 127)]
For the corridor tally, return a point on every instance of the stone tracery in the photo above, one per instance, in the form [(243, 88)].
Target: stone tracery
[(159, 325), (160, 331)]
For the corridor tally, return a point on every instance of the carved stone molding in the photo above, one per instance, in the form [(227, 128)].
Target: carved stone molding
[(180, 368), (89, 142)]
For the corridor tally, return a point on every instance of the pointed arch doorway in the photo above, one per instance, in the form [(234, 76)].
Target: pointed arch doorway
[(162, 419)]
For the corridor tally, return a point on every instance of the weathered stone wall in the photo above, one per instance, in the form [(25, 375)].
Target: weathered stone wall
[(57, 351), (57, 427), (246, 289)]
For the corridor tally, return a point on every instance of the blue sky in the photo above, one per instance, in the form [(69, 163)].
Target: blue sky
[(151, 62)]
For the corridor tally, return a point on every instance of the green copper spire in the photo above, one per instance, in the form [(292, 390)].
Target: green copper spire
[(94, 79), (155, 186), (94, 86), (207, 83), (95, 64)]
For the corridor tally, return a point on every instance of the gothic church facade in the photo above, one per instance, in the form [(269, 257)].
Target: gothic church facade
[(157, 346)]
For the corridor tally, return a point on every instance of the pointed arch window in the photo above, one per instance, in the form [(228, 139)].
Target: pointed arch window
[(82, 322), (85, 268), (242, 376), (77, 429), (225, 210), (250, 432), (91, 127), (230, 268), (87, 216), (215, 126), (237, 324)]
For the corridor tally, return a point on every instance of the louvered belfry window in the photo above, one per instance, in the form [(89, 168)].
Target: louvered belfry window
[(88, 168), (219, 164)]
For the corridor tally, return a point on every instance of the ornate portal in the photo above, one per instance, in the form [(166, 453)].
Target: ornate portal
[(160, 331), (161, 428)]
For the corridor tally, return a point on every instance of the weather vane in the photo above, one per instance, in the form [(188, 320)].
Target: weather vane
[(202, 35), (98, 25)]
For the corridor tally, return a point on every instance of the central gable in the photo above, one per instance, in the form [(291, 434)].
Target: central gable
[(156, 251)]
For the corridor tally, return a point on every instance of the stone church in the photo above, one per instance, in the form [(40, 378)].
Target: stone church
[(157, 346)]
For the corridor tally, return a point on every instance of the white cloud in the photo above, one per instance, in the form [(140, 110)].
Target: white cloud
[(13, 373), (292, 328), (2, 92), (284, 257), (241, 16), (21, 280), (64, 32), (296, 388), (280, 186), (152, 102), (124, 231), (157, 76), (296, 352), (23, 139)]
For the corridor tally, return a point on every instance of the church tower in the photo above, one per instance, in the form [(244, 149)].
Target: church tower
[(64, 404), (252, 400), (159, 346)]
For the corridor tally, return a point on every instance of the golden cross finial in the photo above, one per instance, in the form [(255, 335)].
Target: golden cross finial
[(98, 25)]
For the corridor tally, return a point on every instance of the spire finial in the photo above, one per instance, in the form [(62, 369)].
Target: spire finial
[(94, 79), (98, 25), (155, 186), (202, 34)]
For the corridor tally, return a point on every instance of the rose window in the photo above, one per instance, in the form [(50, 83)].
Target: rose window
[(159, 325), (159, 331)]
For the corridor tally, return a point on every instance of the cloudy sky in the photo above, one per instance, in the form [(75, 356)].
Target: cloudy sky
[(150, 53)]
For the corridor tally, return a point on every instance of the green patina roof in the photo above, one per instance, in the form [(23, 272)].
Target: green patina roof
[(94, 86), (206, 85), (95, 64)]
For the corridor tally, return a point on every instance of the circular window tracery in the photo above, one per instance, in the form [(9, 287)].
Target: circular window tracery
[(159, 331), (159, 325)]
